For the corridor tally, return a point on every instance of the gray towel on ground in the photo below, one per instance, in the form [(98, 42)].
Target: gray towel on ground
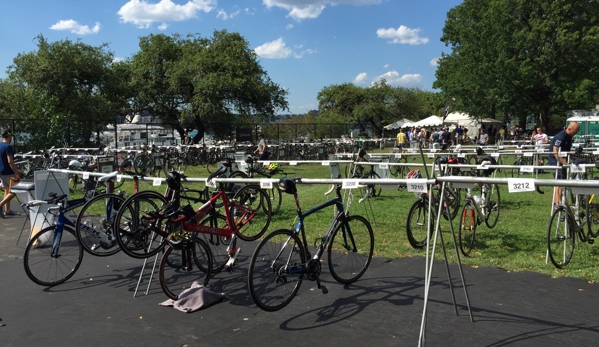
[(195, 298)]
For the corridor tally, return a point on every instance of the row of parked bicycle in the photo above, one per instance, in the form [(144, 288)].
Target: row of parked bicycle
[(197, 243)]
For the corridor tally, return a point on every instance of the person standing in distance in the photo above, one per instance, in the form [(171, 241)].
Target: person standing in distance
[(262, 150), (8, 171), (561, 142)]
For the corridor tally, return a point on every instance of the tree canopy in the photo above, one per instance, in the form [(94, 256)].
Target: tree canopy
[(521, 57)]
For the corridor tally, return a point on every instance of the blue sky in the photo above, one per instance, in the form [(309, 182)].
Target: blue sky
[(304, 45)]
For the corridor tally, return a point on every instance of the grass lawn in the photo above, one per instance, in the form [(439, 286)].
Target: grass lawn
[(518, 241)]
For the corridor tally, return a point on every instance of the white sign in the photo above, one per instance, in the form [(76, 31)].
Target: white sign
[(349, 184), (527, 169), (576, 168), (326, 163), (495, 155), (518, 185), (119, 178), (517, 151), (156, 181), (210, 184), (417, 186), (461, 155), (384, 166), (86, 175), (563, 154), (398, 155), (431, 155), (293, 163), (528, 154), (482, 167), (266, 184), (266, 163)]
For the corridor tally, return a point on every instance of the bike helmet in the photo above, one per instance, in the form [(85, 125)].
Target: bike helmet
[(173, 180), (487, 160), (249, 160), (74, 164), (287, 185), (414, 174), (273, 166)]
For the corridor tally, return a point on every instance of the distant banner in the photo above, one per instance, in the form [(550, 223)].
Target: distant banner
[(244, 134)]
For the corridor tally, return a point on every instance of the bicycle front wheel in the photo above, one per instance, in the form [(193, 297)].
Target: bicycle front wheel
[(95, 225), (276, 270), (417, 223), (467, 230), (560, 238), (51, 258), (254, 218), (180, 268), (492, 205), (350, 249), (138, 234)]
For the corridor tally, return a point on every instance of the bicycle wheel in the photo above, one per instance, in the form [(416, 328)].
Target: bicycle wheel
[(95, 224), (142, 164), (417, 223), (467, 230), (374, 189), (492, 205), (560, 238), (180, 268), (49, 259), (73, 182), (592, 212), (253, 219), (350, 249), (276, 198), (218, 244), (276, 270), (136, 229), (212, 164)]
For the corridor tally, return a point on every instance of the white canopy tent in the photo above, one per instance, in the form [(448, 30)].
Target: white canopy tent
[(430, 121), (397, 124)]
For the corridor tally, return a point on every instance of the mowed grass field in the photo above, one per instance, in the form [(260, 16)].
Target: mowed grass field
[(518, 241)]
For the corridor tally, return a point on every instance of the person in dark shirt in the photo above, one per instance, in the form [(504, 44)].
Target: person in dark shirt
[(561, 142), (8, 172)]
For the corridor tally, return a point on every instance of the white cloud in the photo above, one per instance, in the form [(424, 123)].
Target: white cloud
[(289, 26), (144, 14), (273, 50), (224, 16), (303, 9), (163, 26), (75, 27), (361, 78), (393, 78), (403, 34), (386, 66), (435, 62), (304, 52)]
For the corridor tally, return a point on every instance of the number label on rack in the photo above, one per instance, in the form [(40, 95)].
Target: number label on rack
[(266, 184), (349, 184), (384, 166), (518, 151), (398, 155), (86, 175), (563, 154), (576, 168), (211, 184), (326, 163), (293, 163), (417, 186), (156, 181), (431, 155), (461, 155), (527, 169), (265, 163), (528, 154), (119, 178), (517, 185), (482, 167), (495, 155)]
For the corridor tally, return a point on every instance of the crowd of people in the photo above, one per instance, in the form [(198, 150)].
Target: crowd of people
[(442, 137)]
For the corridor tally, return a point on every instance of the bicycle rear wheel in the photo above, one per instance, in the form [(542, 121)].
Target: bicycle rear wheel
[(95, 225), (254, 218), (136, 235), (276, 270), (467, 230), (492, 205), (417, 223), (49, 259), (592, 212), (180, 268), (560, 238), (350, 249)]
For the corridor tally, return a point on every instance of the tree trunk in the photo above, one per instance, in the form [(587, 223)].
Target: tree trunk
[(201, 129)]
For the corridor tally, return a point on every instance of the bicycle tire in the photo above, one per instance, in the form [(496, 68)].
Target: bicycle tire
[(43, 268), (276, 270), (254, 200), (592, 212), (134, 237), (375, 189), (493, 204), (467, 227), (417, 223), (347, 262), (276, 198), (99, 214), (218, 244), (177, 272), (73, 181), (560, 238)]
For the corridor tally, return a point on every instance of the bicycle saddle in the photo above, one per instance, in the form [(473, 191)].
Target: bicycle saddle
[(287, 185)]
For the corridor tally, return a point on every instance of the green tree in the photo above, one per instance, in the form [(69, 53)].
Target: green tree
[(213, 82), (65, 90), (521, 57)]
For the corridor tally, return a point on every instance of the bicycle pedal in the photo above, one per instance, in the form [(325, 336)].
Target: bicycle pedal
[(324, 290), (590, 241)]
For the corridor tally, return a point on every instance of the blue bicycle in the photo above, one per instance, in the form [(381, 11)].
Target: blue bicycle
[(282, 258)]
